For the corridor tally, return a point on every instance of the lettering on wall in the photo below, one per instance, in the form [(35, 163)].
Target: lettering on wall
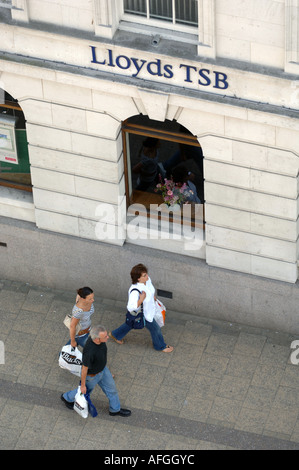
[(153, 69)]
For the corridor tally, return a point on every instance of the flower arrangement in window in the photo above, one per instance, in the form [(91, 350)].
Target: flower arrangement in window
[(173, 193)]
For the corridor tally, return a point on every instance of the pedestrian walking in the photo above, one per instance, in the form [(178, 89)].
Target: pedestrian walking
[(142, 295), (81, 313), (95, 372)]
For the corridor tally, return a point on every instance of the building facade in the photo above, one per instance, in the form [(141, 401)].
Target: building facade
[(89, 84)]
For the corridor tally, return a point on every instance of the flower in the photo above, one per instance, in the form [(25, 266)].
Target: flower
[(172, 193)]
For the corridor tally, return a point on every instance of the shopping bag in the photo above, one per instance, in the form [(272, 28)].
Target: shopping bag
[(135, 319), (67, 323), (160, 313), (71, 359), (81, 404)]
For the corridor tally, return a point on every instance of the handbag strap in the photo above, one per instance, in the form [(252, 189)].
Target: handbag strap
[(139, 293)]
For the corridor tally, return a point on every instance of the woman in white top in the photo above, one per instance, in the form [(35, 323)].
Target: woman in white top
[(145, 296), (82, 311)]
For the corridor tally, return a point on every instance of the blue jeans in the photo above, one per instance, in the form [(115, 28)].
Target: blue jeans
[(153, 328), (104, 380)]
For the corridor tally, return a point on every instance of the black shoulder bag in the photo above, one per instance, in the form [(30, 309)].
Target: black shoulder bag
[(136, 319)]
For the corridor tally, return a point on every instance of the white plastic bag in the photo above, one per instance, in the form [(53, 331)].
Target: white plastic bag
[(71, 359), (160, 313), (81, 404)]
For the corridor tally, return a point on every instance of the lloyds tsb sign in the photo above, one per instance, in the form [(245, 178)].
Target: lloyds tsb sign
[(137, 67)]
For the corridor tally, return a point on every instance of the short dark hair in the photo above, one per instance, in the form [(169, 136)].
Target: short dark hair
[(136, 272), (84, 292)]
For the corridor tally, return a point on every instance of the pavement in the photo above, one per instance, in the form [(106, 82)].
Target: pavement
[(225, 386)]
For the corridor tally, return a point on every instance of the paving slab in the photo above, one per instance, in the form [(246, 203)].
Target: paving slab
[(225, 386)]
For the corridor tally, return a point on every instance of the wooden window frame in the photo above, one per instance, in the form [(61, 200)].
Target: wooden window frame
[(177, 137)]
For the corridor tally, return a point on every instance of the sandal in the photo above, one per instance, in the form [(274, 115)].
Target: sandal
[(168, 349), (114, 339)]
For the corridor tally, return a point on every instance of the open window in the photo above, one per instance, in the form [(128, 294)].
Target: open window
[(14, 157), (155, 152)]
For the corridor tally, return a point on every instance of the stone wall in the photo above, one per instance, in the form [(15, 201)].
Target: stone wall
[(65, 262)]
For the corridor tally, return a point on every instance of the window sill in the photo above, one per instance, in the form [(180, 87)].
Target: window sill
[(151, 205), (16, 204), (164, 33), (142, 38), (166, 235)]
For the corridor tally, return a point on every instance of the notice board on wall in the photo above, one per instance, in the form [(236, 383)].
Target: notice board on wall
[(8, 147)]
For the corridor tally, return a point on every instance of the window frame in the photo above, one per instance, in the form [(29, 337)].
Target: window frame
[(203, 37), (155, 23), (131, 199), (292, 36)]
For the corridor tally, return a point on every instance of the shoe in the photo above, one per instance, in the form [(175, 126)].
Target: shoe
[(114, 339), (168, 349), (121, 412), (68, 404)]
